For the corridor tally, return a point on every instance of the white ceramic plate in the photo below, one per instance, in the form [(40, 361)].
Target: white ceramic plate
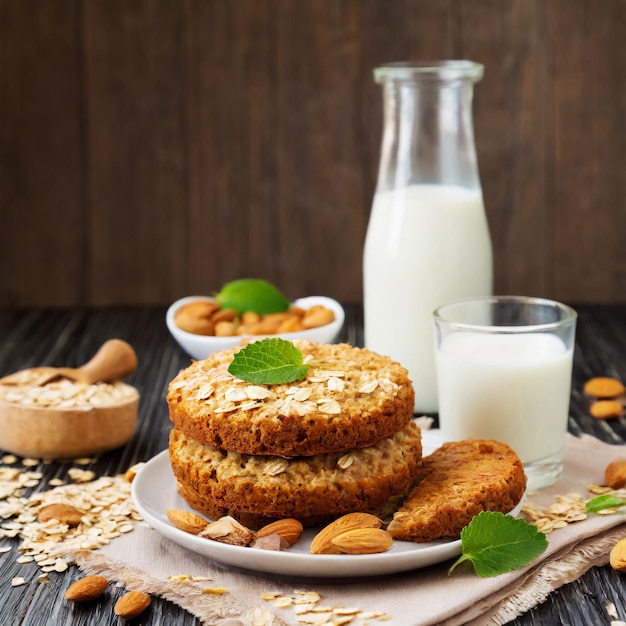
[(154, 491)]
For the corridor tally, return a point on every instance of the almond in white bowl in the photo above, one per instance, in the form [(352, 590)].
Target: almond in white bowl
[(201, 326)]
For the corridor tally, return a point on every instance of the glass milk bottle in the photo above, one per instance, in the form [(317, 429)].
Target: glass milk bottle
[(427, 240)]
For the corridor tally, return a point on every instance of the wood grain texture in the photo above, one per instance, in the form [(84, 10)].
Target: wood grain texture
[(153, 149), (41, 153)]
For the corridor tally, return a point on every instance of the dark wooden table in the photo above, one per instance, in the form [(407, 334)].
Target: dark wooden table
[(70, 337)]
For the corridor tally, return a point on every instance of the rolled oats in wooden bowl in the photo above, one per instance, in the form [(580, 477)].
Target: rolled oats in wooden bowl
[(63, 418)]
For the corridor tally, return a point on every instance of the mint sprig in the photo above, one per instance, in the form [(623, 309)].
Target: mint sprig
[(607, 501), (271, 361), (496, 543)]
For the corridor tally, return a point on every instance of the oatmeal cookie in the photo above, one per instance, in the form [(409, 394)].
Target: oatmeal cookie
[(351, 398), (313, 489), (458, 481)]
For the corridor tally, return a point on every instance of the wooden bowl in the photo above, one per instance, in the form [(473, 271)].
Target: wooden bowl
[(66, 419)]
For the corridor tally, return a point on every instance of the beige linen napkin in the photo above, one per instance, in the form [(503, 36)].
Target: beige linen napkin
[(144, 560)]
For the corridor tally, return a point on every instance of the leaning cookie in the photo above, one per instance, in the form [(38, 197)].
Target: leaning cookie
[(314, 489), (351, 398), (460, 480)]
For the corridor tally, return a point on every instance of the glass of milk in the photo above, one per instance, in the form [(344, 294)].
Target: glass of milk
[(504, 371)]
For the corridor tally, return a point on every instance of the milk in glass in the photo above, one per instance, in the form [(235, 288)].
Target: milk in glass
[(508, 387)]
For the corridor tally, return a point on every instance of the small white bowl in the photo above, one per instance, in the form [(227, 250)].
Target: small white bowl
[(201, 346)]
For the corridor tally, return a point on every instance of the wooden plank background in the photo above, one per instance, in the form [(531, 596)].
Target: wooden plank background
[(157, 148)]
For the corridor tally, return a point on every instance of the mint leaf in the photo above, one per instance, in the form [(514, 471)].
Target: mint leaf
[(252, 294), (496, 543), (600, 503), (269, 362)]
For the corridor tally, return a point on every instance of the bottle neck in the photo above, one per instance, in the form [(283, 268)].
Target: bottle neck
[(428, 135)]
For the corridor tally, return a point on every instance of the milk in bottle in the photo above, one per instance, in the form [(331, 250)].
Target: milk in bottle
[(427, 240), (425, 245)]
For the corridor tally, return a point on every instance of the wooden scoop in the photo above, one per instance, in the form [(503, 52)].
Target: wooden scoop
[(114, 360)]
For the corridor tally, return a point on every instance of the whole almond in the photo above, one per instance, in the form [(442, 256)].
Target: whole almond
[(186, 520), (618, 556), (363, 541), (606, 409), (289, 529), (615, 474), (323, 542), (132, 604), (61, 512), (603, 387), (86, 589)]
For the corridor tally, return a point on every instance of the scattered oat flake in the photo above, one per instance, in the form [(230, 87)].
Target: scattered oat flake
[(282, 602), (24, 559), (270, 595), (309, 596), (60, 565), (215, 590), (314, 619), (598, 489), (9, 459), (81, 476), (106, 505), (345, 611), (18, 581), (30, 462)]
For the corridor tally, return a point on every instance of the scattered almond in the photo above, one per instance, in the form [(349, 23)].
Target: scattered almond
[(61, 512), (187, 521), (86, 589), (363, 541), (618, 556), (290, 529), (323, 542), (604, 387), (615, 474), (132, 604), (606, 409)]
